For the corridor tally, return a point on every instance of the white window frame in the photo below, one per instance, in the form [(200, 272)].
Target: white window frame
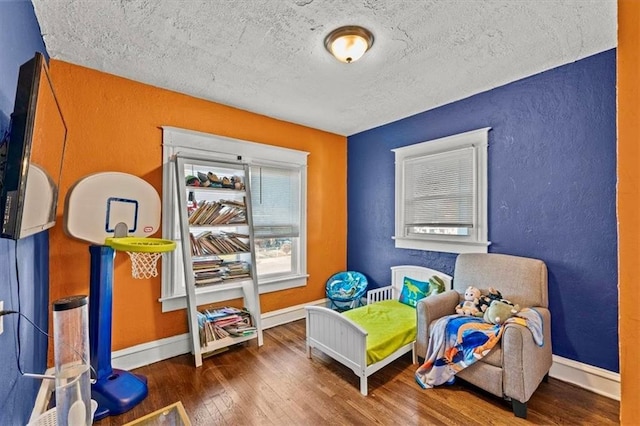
[(189, 142), (477, 240)]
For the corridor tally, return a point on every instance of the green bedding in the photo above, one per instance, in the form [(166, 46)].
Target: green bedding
[(390, 325)]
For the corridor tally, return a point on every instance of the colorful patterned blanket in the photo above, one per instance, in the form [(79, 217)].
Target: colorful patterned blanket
[(457, 341)]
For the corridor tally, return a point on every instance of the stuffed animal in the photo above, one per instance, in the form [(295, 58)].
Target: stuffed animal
[(469, 306), (498, 312), (436, 284), (192, 181), (486, 299)]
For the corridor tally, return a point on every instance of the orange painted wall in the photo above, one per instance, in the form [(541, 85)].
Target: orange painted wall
[(629, 205), (113, 125)]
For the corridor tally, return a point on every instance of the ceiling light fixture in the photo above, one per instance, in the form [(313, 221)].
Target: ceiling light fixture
[(349, 43)]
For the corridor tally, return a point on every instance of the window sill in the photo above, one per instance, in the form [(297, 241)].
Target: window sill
[(212, 294), (443, 245)]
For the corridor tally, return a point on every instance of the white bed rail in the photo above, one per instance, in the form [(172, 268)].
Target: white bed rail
[(380, 294)]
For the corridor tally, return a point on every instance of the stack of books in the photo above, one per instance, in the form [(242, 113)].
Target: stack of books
[(208, 271), (208, 243), (216, 324), (219, 213), (214, 270), (237, 269)]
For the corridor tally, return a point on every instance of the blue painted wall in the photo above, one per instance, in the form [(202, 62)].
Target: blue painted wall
[(552, 193), (19, 39)]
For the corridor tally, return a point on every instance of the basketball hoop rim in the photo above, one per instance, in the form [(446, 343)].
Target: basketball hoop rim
[(140, 245)]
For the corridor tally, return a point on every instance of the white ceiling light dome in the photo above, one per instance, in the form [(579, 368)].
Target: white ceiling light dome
[(348, 44)]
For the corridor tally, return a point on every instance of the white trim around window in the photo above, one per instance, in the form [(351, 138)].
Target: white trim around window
[(441, 194), (176, 140)]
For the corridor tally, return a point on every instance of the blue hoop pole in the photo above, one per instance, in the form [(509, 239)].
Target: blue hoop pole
[(100, 309), (115, 390)]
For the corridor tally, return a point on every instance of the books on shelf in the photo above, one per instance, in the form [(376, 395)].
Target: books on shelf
[(237, 269), (209, 243), (216, 324), (220, 212), (212, 271)]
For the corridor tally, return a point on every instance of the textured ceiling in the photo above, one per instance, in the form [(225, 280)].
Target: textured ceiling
[(268, 56)]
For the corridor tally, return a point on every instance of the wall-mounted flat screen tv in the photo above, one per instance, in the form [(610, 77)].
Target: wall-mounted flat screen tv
[(31, 157)]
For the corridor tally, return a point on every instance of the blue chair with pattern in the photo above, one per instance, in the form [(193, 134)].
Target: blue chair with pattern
[(345, 290)]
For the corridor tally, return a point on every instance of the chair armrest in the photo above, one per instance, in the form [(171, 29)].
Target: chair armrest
[(430, 309), (525, 363)]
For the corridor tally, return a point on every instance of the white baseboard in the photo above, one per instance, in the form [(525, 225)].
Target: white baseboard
[(286, 315), (148, 353), (594, 379), (597, 380)]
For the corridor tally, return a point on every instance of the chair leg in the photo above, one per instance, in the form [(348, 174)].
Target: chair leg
[(546, 378), (519, 408)]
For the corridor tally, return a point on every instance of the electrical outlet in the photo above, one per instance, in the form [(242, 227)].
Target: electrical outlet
[(1, 318)]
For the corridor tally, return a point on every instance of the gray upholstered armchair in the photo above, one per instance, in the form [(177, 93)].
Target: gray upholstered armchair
[(515, 367)]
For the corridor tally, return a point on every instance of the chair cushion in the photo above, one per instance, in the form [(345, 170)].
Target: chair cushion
[(494, 357), (346, 286)]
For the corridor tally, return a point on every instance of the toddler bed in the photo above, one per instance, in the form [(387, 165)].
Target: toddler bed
[(370, 337)]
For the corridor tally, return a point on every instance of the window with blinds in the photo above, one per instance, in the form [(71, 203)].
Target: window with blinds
[(441, 194), (275, 200)]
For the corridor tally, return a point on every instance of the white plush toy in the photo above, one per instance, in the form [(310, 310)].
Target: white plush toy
[(469, 306)]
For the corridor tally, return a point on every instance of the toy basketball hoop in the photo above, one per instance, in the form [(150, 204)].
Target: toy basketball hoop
[(114, 211), (143, 252), (121, 211)]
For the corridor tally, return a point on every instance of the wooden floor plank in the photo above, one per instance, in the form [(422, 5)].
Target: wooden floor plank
[(277, 384)]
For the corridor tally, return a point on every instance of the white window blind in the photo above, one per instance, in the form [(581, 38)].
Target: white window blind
[(275, 201), (441, 194), (440, 190)]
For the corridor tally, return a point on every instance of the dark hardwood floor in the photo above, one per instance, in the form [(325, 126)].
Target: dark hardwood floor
[(277, 384)]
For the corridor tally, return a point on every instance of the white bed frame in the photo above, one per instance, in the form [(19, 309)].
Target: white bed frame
[(346, 342)]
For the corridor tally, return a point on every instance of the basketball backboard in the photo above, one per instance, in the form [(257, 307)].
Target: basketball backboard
[(97, 203)]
